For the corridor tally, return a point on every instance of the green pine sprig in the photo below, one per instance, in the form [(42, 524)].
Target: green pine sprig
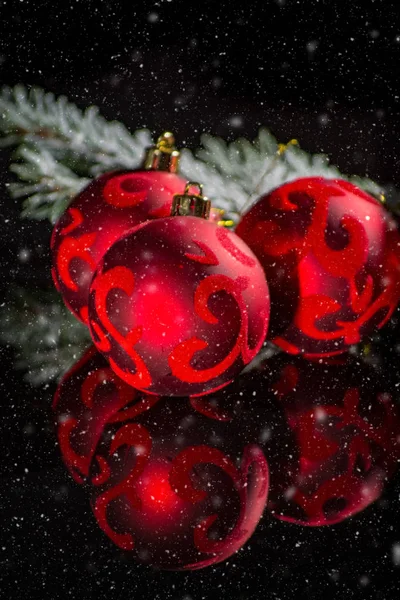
[(60, 147), (46, 337)]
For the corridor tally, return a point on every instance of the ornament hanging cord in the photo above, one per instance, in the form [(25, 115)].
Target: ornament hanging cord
[(282, 148)]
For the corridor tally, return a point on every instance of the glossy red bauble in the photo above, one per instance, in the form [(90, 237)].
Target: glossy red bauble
[(331, 256), (108, 207), (169, 484), (331, 435), (179, 306)]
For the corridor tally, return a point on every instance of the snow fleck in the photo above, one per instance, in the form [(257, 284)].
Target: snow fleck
[(236, 121), (24, 255), (265, 435), (312, 46), (396, 554), (323, 119), (290, 492), (320, 414)]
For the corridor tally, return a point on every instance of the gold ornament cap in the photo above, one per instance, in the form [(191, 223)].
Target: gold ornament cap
[(163, 156), (190, 204)]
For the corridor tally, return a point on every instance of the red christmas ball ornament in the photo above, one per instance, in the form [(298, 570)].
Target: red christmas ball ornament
[(332, 435), (107, 208), (171, 485), (179, 305), (331, 256)]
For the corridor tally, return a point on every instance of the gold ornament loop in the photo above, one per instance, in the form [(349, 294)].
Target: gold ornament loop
[(190, 204), (190, 184), (283, 147), (164, 156), (166, 142)]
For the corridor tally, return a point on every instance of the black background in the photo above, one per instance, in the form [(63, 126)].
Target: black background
[(324, 72)]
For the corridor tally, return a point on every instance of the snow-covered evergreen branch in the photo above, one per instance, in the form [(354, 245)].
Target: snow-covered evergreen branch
[(59, 147), (62, 146), (47, 185), (236, 174), (45, 335), (61, 127)]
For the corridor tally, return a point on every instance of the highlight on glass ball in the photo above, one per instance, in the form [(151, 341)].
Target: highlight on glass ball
[(180, 305), (330, 252), (173, 487)]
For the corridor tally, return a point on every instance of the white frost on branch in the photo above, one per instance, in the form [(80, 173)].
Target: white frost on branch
[(234, 175), (46, 337), (59, 125), (73, 146), (47, 184)]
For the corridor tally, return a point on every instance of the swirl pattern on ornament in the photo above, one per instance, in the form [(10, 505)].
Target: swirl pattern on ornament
[(123, 279), (181, 357), (337, 251), (71, 248), (92, 413), (252, 499), (131, 333), (135, 436), (178, 488), (125, 190)]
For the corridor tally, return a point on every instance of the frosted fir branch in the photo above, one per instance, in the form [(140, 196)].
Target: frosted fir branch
[(236, 174), (60, 148), (55, 124), (46, 337), (73, 145), (47, 184)]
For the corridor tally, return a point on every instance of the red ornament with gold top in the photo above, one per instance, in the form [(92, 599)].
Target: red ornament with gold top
[(331, 256), (179, 305), (107, 208)]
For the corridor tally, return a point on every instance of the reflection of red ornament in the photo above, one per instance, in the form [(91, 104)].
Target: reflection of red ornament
[(331, 257), (173, 486), (337, 444), (107, 208), (179, 306), (89, 397)]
